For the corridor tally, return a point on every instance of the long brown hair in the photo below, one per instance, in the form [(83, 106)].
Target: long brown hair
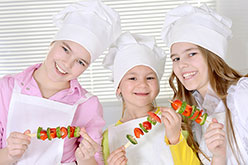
[(221, 77)]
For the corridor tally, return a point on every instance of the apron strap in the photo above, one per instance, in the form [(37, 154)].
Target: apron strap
[(85, 98)]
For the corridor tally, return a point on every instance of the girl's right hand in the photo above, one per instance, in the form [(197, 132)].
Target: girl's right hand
[(17, 144), (172, 122), (215, 140), (118, 157)]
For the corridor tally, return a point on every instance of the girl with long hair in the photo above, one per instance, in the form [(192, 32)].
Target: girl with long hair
[(197, 38)]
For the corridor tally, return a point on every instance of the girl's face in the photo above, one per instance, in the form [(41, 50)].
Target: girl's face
[(66, 60), (190, 67), (139, 86)]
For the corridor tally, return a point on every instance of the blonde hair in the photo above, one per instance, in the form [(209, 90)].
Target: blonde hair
[(221, 77)]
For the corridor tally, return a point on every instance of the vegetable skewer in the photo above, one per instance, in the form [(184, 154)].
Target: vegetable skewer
[(192, 112), (58, 132), (152, 119)]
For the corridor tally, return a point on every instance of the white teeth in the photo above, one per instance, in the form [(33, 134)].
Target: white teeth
[(188, 74), (60, 70)]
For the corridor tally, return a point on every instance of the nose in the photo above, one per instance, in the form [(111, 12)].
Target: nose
[(143, 83), (183, 63), (69, 62)]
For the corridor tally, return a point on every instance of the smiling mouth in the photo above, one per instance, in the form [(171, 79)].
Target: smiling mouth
[(188, 75), (141, 94), (59, 69)]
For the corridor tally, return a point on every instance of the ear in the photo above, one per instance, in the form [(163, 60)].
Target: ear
[(118, 91)]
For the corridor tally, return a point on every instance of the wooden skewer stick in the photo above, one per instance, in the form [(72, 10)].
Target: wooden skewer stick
[(127, 145), (206, 119), (32, 134)]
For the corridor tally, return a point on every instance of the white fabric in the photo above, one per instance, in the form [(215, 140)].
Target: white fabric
[(31, 112), (237, 103), (90, 23), (198, 25), (151, 148), (131, 50)]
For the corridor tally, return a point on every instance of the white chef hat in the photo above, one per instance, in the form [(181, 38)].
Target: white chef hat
[(89, 23), (198, 25), (131, 50)]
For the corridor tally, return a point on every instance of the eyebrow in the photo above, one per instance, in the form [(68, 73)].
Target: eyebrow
[(64, 43), (187, 50)]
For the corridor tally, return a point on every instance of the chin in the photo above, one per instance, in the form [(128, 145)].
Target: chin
[(189, 87)]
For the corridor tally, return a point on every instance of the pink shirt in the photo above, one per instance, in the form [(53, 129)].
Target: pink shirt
[(88, 114)]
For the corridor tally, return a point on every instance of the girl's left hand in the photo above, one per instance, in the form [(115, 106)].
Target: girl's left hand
[(215, 139), (87, 148), (172, 122)]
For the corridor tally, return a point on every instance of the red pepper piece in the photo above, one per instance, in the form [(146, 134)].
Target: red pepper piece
[(147, 125), (43, 135), (53, 133), (176, 104), (72, 130), (199, 119), (154, 116), (138, 132), (187, 111), (63, 132)]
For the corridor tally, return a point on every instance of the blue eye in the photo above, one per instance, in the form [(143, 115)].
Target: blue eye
[(192, 54), (81, 62)]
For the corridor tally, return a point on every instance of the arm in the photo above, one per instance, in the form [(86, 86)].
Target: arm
[(117, 157), (87, 149), (105, 146), (216, 142), (91, 115), (237, 102), (181, 152), (16, 147), (7, 156)]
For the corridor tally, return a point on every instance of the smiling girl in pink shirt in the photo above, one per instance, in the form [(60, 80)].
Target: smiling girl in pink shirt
[(49, 95)]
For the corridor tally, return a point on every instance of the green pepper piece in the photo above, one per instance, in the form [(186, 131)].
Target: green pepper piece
[(58, 132), (49, 134), (182, 108), (142, 127), (193, 111), (132, 139), (69, 132), (38, 132), (76, 132), (153, 122), (198, 113), (204, 118)]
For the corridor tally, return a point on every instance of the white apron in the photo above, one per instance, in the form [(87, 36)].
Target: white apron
[(220, 116), (31, 112), (151, 148)]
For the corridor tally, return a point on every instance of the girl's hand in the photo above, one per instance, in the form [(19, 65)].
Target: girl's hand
[(17, 144), (172, 122), (118, 157), (215, 140), (87, 148)]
